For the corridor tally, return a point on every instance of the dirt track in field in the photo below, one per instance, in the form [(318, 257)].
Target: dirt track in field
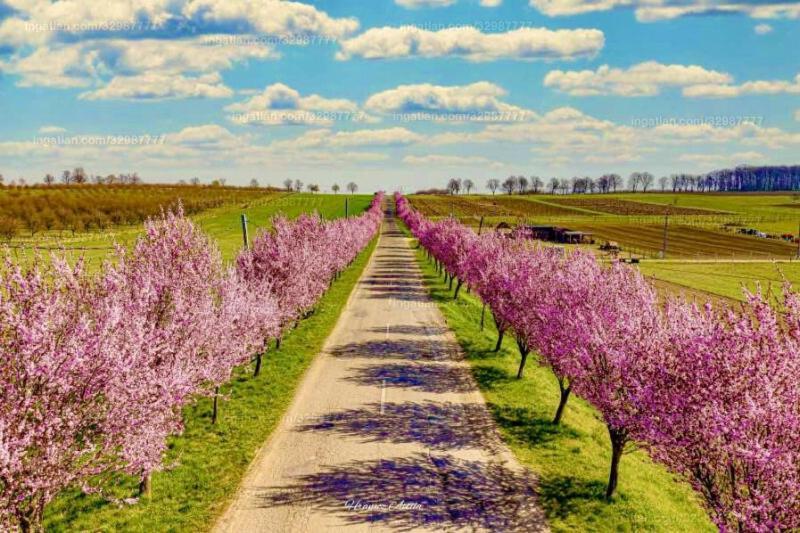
[(388, 431)]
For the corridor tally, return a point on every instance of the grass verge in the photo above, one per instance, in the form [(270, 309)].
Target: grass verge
[(570, 460), (211, 460)]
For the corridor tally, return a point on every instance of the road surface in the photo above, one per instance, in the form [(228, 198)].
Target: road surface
[(388, 431)]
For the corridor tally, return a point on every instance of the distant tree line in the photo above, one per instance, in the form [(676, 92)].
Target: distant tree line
[(297, 186), (751, 178), (739, 179)]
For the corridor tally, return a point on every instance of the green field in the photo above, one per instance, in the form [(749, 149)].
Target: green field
[(571, 461), (725, 278), (221, 223), (770, 212), (208, 462)]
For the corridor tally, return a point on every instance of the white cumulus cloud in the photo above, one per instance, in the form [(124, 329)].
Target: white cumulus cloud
[(93, 62), (38, 21), (654, 10), (272, 17), (470, 43), (479, 102), (749, 87), (326, 138), (280, 104), (158, 86), (643, 79), (84, 43)]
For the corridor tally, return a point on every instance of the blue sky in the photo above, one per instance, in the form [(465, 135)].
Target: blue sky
[(396, 93)]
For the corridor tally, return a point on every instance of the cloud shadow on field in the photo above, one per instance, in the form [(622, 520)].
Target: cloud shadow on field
[(437, 378), (439, 491), (412, 350), (441, 426)]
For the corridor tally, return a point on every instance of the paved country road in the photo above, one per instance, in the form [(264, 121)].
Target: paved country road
[(388, 431)]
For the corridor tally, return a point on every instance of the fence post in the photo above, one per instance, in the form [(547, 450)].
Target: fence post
[(244, 231)]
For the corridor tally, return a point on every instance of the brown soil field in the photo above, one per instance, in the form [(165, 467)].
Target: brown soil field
[(499, 206), (690, 241), (615, 206)]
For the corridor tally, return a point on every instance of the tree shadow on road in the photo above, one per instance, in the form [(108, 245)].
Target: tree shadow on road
[(408, 329), (437, 378), (438, 425), (434, 491), (390, 276), (403, 293), (390, 282), (408, 349)]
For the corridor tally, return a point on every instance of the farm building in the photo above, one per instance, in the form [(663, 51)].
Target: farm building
[(556, 234), (573, 237), (544, 233)]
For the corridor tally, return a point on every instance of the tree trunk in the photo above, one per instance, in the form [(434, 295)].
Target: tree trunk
[(500, 335), (215, 410), (450, 287), (565, 390), (523, 352), (483, 315), (257, 371), (618, 440), (146, 485), (31, 521), (278, 343), (458, 288)]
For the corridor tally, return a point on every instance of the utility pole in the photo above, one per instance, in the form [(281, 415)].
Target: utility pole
[(480, 226), (244, 231)]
